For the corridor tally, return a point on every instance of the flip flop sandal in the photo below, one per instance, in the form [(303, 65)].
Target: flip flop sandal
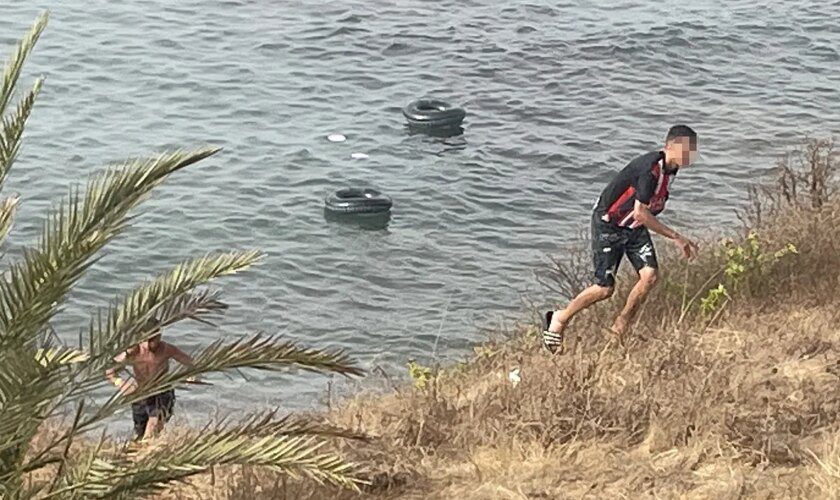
[(551, 341)]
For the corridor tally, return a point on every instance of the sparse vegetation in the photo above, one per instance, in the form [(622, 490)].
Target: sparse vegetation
[(745, 262), (421, 375)]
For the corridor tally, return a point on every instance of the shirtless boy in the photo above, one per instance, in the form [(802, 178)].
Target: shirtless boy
[(149, 360)]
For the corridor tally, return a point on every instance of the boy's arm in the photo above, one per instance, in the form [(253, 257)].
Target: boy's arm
[(125, 386), (111, 373), (642, 213), (179, 355)]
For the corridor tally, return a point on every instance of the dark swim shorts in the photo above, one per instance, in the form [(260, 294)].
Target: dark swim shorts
[(610, 243), (158, 405)]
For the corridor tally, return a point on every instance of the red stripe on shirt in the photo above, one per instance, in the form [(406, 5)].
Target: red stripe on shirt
[(626, 195)]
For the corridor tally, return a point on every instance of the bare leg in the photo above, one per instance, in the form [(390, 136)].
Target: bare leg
[(153, 427), (586, 298), (647, 279)]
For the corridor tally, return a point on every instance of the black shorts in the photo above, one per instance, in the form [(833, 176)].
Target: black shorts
[(158, 405), (610, 243)]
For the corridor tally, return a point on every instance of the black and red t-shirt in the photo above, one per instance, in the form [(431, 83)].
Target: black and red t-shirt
[(646, 179)]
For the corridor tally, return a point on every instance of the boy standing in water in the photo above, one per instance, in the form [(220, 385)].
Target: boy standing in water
[(148, 360), (625, 211)]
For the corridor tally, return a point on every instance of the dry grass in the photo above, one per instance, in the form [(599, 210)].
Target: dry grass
[(737, 403)]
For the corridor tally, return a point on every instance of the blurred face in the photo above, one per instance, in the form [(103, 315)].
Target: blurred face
[(682, 151), (154, 342)]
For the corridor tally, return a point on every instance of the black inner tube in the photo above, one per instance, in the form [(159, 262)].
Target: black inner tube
[(352, 193), (427, 106), (357, 201), (432, 113)]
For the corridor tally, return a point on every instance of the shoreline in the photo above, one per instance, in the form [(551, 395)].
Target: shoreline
[(729, 395)]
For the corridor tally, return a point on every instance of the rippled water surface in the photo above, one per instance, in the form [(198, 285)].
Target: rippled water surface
[(558, 95)]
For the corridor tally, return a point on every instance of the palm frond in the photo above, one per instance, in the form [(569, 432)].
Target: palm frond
[(11, 130), (14, 65), (80, 407), (32, 289), (167, 298), (8, 207), (68, 484), (16, 370), (200, 306), (26, 392), (264, 352), (37, 377), (195, 452), (60, 356), (268, 424), (164, 297), (269, 352), (258, 351), (78, 372)]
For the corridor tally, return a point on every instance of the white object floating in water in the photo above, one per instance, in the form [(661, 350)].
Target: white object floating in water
[(359, 156), (336, 138), (514, 377)]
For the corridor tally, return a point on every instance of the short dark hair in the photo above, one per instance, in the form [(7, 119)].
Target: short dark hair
[(151, 325), (682, 131)]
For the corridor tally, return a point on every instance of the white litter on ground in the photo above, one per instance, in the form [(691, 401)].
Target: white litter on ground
[(514, 377)]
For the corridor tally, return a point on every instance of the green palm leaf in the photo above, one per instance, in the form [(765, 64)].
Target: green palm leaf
[(269, 352), (26, 392), (11, 130), (7, 214), (72, 235), (14, 65), (267, 423), (32, 289), (198, 307), (263, 352), (38, 378), (165, 298), (195, 452), (284, 444), (169, 293), (258, 351), (69, 484)]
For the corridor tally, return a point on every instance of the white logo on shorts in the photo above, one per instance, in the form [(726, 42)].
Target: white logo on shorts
[(646, 252)]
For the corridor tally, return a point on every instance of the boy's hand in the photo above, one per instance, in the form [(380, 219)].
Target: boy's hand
[(126, 387), (196, 380), (688, 247)]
